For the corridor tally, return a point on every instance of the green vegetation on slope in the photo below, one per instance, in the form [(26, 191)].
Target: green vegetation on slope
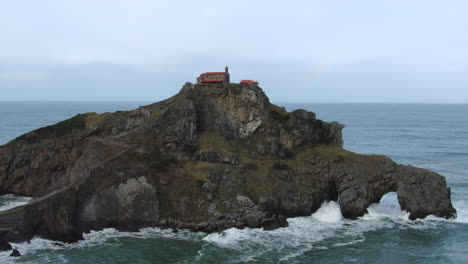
[(57, 130)]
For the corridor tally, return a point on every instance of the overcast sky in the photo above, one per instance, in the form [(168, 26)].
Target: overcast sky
[(299, 51)]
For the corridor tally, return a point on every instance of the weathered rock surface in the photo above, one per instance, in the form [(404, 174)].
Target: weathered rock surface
[(210, 158), (132, 204)]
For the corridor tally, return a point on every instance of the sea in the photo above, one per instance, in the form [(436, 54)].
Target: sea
[(432, 136)]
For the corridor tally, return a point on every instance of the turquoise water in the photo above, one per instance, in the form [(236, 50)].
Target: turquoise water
[(433, 136)]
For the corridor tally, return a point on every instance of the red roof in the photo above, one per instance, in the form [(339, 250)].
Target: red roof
[(248, 82), (212, 73), (214, 80)]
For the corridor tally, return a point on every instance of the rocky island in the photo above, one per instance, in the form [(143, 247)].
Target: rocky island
[(212, 157)]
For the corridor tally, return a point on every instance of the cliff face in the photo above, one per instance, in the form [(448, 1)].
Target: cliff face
[(211, 157)]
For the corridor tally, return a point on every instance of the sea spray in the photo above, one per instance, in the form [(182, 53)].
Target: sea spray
[(325, 227), (328, 212), (387, 207)]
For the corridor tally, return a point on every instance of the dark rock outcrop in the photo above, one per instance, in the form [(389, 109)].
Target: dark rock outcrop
[(4, 246), (210, 158), (15, 253)]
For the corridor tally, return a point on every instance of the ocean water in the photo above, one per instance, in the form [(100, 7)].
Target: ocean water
[(433, 136)]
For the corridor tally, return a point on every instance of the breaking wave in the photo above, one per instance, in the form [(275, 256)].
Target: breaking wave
[(462, 211), (325, 229)]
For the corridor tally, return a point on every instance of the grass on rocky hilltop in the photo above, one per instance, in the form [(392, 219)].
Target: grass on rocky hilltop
[(57, 130), (279, 114), (67, 127)]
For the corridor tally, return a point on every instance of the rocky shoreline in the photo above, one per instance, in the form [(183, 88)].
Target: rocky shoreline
[(212, 157)]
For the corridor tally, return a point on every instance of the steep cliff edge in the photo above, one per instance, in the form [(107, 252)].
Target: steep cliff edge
[(211, 157)]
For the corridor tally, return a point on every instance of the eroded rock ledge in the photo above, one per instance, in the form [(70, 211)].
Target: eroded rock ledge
[(210, 158)]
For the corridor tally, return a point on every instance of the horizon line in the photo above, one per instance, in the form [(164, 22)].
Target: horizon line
[(276, 102)]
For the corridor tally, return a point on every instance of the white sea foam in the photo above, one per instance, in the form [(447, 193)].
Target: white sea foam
[(324, 229), (302, 235), (313, 233), (108, 236), (329, 212), (9, 201), (388, 207)]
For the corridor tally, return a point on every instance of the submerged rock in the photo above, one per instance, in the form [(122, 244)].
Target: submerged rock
[(15, 253), (182, 163)]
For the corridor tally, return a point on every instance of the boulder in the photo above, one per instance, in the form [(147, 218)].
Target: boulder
[(252, 220), (209, 187), (245, 201), (215, 176), (212, 157)]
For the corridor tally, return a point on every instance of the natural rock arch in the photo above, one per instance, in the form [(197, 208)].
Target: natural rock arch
[(420, 192)]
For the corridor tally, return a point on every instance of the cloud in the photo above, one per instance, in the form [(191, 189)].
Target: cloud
[(331, 44)]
